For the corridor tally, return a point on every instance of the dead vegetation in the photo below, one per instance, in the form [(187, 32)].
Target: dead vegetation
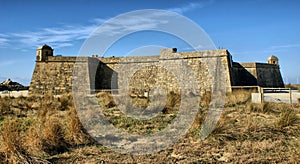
[(44, 130), (52, 128)]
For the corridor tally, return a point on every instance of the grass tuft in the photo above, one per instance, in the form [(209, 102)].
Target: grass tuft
[(238, 97), (287, 117), (5, 106), (11, 145), (173, 100), (107, 99)]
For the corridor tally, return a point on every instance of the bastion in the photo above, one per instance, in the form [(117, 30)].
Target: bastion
[(54, 74)]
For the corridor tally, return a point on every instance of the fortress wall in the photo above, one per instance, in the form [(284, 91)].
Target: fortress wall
[(256, 74), (170, 71), (244, 74), (268, 75), (134, 75), (200, 63), (54, 76), (144, 73)]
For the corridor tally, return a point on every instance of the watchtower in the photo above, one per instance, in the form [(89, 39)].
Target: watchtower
[(43, 52), (273, 60)]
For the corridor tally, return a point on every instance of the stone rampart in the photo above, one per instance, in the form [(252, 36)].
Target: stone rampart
[(256, 74), (171, 71)]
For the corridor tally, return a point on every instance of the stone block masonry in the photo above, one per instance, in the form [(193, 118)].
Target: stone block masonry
[(256, 74), (53, 74)]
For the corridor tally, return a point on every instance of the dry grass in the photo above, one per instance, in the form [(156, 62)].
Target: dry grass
[(50, 130), (205, 99), (261, 108), (293, 86), (76, 133), (238, 97), (287, 117), (11, 142), (173, 101), (245, 133), (106, 100), (65, 102), (5, 106)]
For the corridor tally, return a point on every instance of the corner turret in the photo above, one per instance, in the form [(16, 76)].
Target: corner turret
[(273, 60), (43, 52)]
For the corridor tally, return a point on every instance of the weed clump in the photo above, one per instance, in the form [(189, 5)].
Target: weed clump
[(287, 117), (65, 101), (265, 107), (5, 106), (106, 99), (238, 97), (173, 100), (76, 133)]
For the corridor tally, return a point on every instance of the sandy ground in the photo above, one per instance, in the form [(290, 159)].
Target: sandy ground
[(282, 97), (14, 93)]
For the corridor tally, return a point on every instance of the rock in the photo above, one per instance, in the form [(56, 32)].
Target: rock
[(10, 85)]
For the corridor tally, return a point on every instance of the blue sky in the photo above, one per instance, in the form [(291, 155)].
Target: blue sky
[(251, 30)]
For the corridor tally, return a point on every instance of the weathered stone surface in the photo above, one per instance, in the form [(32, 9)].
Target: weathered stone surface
[(171, 71), (256, 74)]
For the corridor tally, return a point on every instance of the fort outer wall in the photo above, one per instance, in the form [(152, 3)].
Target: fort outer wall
[(256, 74), (140, 74), (170, 70), (54, 76)]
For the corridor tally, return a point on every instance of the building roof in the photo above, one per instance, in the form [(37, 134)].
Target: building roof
[(272, 57), (45, 46)]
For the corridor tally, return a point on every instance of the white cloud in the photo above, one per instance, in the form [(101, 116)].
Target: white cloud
[(98, 20), (269, 50), (131, 23), (191, 6), (65, 36), (3, 40), (285, 46), (7, 63), (57, 37)]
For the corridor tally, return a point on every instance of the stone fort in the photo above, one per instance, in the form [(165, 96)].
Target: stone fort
[(53, 74)]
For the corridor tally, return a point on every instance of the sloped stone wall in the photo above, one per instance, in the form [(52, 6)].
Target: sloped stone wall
[(171, 71), (256, 74), (55, 75)]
